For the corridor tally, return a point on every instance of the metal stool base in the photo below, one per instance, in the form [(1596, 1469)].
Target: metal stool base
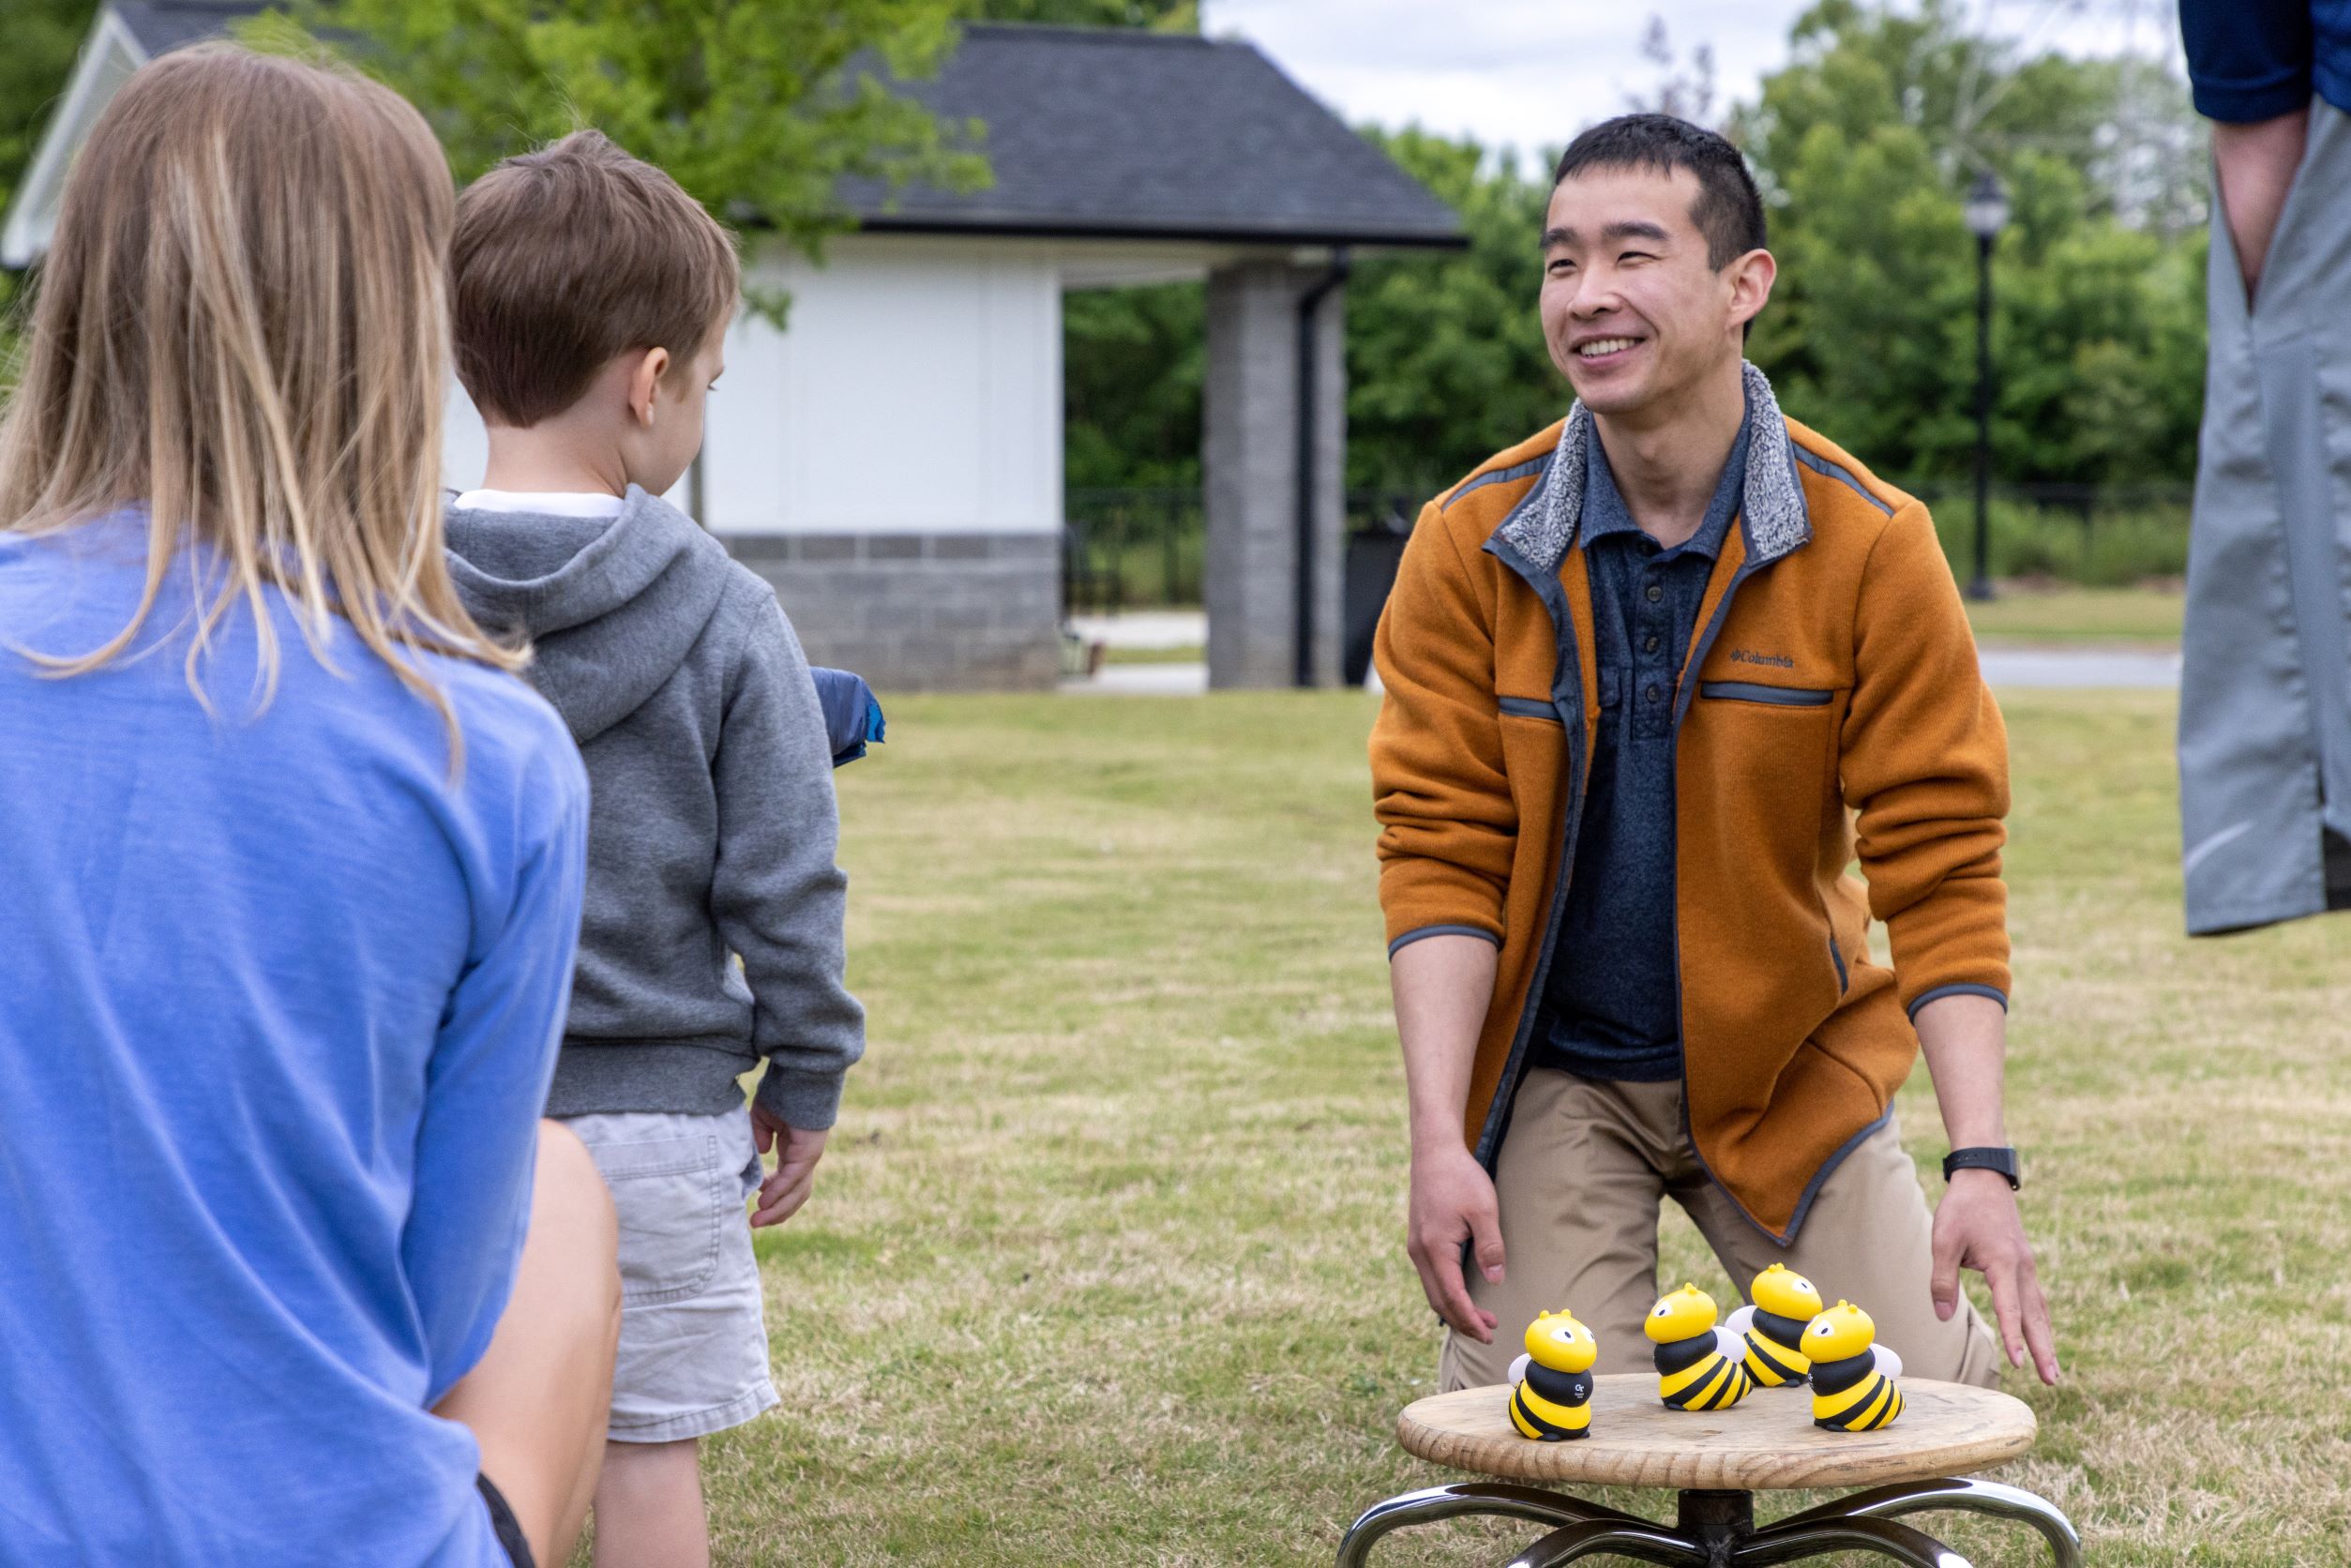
[(1717, 1529)]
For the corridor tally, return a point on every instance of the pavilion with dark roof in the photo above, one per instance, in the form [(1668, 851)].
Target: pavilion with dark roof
[(893, 461)]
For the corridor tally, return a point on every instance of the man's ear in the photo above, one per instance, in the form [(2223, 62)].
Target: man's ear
[(644, 384), (1750, 278)]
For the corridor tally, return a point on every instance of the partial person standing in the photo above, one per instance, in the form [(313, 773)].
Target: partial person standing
[(593, 297), (291, 1273), (2264, 700), (1642, 669)]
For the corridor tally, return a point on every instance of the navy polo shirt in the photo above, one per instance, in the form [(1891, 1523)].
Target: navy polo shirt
[(2251, 60), (1612, 1003)]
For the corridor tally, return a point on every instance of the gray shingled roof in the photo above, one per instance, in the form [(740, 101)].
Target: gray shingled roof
[(1104, 131), (162, 24), (1100, 132)]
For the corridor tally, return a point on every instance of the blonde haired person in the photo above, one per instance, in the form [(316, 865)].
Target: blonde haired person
[(289, 1272)]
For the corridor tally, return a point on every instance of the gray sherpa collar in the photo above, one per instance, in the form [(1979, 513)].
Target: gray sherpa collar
[(1771, 504)]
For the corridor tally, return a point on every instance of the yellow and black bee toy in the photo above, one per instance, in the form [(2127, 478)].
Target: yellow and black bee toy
[(1852, 1378), (1699, 1366), (1551, 1394), (1772, 1330)]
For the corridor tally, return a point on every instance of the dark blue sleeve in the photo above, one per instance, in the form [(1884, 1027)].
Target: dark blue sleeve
[(852, 716), (2248, 59)]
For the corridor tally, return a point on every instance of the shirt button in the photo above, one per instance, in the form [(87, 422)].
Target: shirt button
[(1651, 694), (1649, 646), (1655, 593)]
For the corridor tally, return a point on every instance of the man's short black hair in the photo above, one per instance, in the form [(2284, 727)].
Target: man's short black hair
[(1729, 211)]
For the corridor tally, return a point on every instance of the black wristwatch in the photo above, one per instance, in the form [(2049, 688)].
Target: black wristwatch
[(2001, 1160)]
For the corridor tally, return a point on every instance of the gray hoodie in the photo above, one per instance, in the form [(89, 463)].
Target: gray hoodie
[(712, 827)]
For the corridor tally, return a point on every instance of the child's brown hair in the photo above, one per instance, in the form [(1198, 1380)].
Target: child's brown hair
[(569, 256)]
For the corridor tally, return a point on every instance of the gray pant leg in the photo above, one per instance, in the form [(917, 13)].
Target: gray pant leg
[(2265, 713)]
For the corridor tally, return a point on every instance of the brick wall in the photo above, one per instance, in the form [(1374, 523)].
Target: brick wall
[(920, 611)]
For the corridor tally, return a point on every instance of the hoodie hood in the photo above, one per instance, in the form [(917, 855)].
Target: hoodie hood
[(611, 606)]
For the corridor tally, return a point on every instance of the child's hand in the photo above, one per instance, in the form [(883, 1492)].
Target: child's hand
[(797, 1150)]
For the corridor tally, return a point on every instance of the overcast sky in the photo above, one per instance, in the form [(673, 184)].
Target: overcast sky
[(1530, 73)]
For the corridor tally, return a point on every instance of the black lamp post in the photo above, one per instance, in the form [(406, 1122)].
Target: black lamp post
[(1986, 215)]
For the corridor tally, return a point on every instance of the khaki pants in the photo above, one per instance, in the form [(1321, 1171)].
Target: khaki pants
[(1583, 1171)]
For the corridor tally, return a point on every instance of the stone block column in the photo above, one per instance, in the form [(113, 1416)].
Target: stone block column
[(1250, 461)]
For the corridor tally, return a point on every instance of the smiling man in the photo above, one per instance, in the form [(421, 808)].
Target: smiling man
[(1655, 677)]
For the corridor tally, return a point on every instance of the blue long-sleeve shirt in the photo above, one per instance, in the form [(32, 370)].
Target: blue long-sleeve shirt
[(2251, 60), (278, 1005)]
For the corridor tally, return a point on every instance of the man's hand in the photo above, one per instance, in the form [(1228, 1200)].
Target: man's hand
[(1977, 1227), (797, 1150), (1452, 1200), (1443, 985)]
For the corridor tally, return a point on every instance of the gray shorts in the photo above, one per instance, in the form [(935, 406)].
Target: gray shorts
[(693, 1355)]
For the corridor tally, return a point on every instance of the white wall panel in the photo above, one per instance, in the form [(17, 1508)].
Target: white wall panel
[(917, 389), (746, 464), (1018, 398), (464, 445)]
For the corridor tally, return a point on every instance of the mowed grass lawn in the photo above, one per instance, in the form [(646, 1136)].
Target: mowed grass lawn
[(2023, 614), (1105, 1263), (2064, 615)]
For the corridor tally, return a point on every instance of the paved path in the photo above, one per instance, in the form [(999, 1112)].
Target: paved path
[(2006, 669), (1145, 628), (2081, 667), (1143, 680)]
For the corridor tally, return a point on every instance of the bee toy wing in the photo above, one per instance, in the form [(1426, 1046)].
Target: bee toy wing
[(1731, 1342), (1518, 1368), (1888, 1362), (1739, 1321)]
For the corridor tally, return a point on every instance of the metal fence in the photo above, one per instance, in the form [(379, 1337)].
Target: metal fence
[(1142, 547), (1133, 549), (1145, 547)]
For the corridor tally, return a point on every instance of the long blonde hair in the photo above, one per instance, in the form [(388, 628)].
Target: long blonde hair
[(243, 323)]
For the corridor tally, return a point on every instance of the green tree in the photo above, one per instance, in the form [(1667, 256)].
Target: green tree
[(1445, 358), (758, 108), (1133, 364), (2104, 374), (1859, 68), (43, 38), (1868, 334), (1865, 143)]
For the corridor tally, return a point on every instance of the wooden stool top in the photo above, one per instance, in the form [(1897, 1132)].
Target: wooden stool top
[(1765, 1442)]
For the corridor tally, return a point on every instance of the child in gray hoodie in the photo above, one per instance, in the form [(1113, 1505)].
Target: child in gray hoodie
[(590, 301)]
